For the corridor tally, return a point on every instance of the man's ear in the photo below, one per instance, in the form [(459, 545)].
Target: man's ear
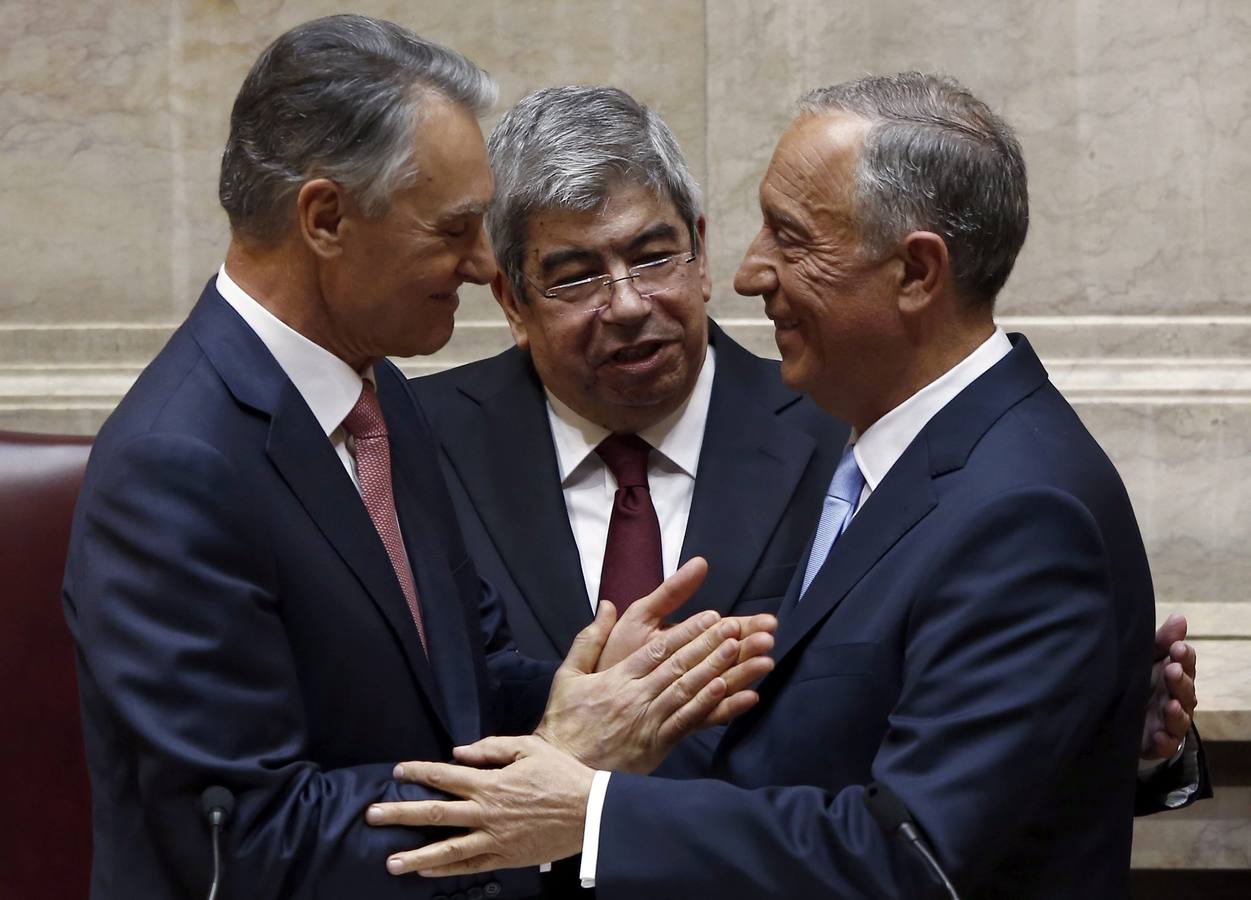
[(321, 208), (705, 279), (502, 288), (926, 267)]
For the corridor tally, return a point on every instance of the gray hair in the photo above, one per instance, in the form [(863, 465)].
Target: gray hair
[(335, 98), (937, 159), (569, 148)]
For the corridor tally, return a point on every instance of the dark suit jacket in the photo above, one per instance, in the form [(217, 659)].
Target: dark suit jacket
[(766, 460), (979, 640), (238, 622)]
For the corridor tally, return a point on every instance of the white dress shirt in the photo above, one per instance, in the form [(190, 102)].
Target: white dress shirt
[(589, 486), (328, 385), (877, 450)]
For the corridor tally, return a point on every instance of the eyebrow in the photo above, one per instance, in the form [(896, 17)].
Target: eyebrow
[(471, 208), (557, 258), (779, 218)]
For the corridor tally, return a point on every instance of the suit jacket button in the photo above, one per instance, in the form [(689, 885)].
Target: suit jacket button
[(492, 889), (459, 895), (475, 893)]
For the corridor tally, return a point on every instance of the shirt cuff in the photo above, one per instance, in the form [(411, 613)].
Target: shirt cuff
[(1148, 767), (590, 831)]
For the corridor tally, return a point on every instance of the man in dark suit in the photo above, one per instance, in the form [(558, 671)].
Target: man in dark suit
[(265, 582), (737, 461), (973, 624)]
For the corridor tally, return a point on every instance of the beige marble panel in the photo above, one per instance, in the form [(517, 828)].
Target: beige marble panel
[(1211, 834), (1184, 465), (114, 115), (1134, 118)]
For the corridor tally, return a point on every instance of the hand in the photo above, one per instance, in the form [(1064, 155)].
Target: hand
[(645, 618), (629, 717), (530, 812), (1173, 699)]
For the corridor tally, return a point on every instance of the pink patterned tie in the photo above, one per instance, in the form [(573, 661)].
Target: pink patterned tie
[(373, 468)]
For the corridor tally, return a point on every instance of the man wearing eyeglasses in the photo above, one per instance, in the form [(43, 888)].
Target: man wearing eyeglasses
[(625, 432)]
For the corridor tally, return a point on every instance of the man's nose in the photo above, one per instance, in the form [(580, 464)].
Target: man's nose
[(478, 265), (755, 276)]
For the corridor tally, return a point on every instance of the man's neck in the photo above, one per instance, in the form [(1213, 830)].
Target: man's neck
[(284, 281)]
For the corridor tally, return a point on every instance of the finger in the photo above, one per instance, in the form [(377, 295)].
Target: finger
[(731, 708), (1173, 630), (705, 646), (672, 593), (1164, 745), (1176, 722), (461, 781), (690, 716), (647, 658), (753, 645), (494, 751), (687, 686), (586, 648), (763, 623), (473, 852), (745, 674), (1181, 687), (1184, 653), (451, 813)]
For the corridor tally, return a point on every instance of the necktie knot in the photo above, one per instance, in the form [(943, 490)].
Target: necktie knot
[(847, 482), (626, 457), (365, 420)]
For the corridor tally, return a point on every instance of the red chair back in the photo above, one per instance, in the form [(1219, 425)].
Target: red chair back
[(45, 838)]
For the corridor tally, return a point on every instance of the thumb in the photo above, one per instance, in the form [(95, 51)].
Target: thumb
[(584, 653), (493, 751), (673, 591)]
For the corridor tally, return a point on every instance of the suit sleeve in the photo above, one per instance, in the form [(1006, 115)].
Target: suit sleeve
[(177, 607), (1011, 661), (1177, 784), (519, 684)]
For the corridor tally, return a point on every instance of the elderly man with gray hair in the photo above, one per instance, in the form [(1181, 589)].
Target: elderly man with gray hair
[(270, 600), (964, 652)]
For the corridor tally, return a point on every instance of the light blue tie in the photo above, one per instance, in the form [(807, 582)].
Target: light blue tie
[(840, 501)]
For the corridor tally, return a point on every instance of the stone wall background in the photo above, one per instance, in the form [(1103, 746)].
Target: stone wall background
[(1135, 117)]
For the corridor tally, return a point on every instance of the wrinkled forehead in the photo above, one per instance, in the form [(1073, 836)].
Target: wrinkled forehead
[(812, 171), (629, 215)]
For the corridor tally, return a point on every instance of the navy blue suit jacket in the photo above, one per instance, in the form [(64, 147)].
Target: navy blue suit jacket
[(767, 457), (238, 622), (979, 640)]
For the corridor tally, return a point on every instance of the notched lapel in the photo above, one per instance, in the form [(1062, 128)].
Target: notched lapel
[(450, 649), (903, 498), (504, 457), (309, 465), (749, 468)]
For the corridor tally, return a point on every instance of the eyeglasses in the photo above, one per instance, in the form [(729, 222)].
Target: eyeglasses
[(594, 293)]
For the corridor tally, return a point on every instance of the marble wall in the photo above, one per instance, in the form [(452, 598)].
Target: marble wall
[(1135, 117)]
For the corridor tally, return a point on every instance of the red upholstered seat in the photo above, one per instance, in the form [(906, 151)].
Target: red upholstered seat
[(45, 838)]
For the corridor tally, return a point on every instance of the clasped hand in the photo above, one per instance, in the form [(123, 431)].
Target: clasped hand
[(625, 716)]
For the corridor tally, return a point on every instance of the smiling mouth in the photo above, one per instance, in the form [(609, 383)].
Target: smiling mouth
[(785, 324)]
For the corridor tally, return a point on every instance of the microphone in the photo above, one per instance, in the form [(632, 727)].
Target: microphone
[(217, 804), (894, 819)]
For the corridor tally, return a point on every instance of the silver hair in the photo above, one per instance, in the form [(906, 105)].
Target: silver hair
[(936, 158), (338, 98), (570, 148)]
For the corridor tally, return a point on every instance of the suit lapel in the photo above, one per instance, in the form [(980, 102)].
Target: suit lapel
[(749, 467), (907, 494), (524, 513), (309, 465), (448, 642)]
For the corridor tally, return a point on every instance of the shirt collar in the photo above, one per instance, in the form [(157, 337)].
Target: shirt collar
[(881, 445), (328, 385), (678, 437)]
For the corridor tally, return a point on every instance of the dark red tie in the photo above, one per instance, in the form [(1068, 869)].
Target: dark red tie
[(373, 468), (633, 565)]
